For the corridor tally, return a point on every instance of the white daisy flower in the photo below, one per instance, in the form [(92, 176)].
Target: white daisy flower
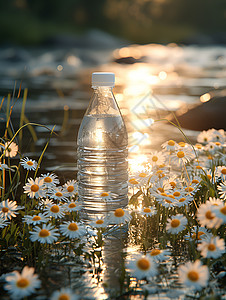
[(176, 224), (55, 211), (99, 223), (218, 135), (35, 219), (165, 199), (8, 209), (45, 202), (72, 230), (11, 149), (211, 148), (22, 285), (3, 222), (148, 211), (194, 275), (204, 137), (170, 145), (220, 212), (222, 190), (119, 216), (160, 254), (221, 172), (50, 180), (58, 194), (197, 233), (185, 200), (141, 266), (28, 164), (211, 247), (207, 217), (157, 158), (73, 206), (71, 187), (198, 148), (46, 234), (182, 157), (106, 196), (133, 182), (64, 294), (34, 188), (142, 177)]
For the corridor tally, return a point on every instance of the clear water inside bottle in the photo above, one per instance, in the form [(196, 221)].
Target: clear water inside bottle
[(102, 162)]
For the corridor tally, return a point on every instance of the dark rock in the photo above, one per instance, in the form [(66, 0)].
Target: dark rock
[(211, 114), (129, 60)]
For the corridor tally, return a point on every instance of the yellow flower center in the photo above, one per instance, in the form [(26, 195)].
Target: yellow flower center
[(180, 154), (195, 181), (22, 283), (211, 247), (48, 179), (223, 210), (164, 194), (133, 181), (143, 264), (147, 210), (34, 188), (198, 167), (175, 223), (173, 184), (189, 189), (217, 143), (171, 196), (198, 235), (223, 171), (59, 194), (155, 252), (209, 215), (209, 176), (5, 209), (104, 194), (64, 297), (181, 144), (198, 146), (210, 156), (168, 201), (119, 212), (72, 227), (171, 143), (70, 188), (161, 190), (143, 175), (176, 194), (55, 209), (154, 158), (72, 205), (29, 163), (182, 199), (44, 233), (193, 276), (36, 218), (99, 222)]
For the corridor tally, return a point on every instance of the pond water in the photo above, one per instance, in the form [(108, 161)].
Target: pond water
[(160, 80), (152, 82)]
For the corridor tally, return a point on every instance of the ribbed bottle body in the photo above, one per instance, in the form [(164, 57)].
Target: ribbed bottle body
[(102, 162)]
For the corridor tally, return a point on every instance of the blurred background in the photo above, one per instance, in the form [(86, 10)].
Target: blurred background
[(27, 22), (169, 57)]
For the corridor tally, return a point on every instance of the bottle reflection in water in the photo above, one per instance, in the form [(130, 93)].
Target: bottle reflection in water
[(102, 150)]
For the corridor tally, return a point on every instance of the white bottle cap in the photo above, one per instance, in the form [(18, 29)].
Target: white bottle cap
[(103, 79)]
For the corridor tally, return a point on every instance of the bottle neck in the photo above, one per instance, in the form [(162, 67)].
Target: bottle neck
[(102, 89)]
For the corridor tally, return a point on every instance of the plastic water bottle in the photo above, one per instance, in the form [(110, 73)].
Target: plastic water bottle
[(102, 150)]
